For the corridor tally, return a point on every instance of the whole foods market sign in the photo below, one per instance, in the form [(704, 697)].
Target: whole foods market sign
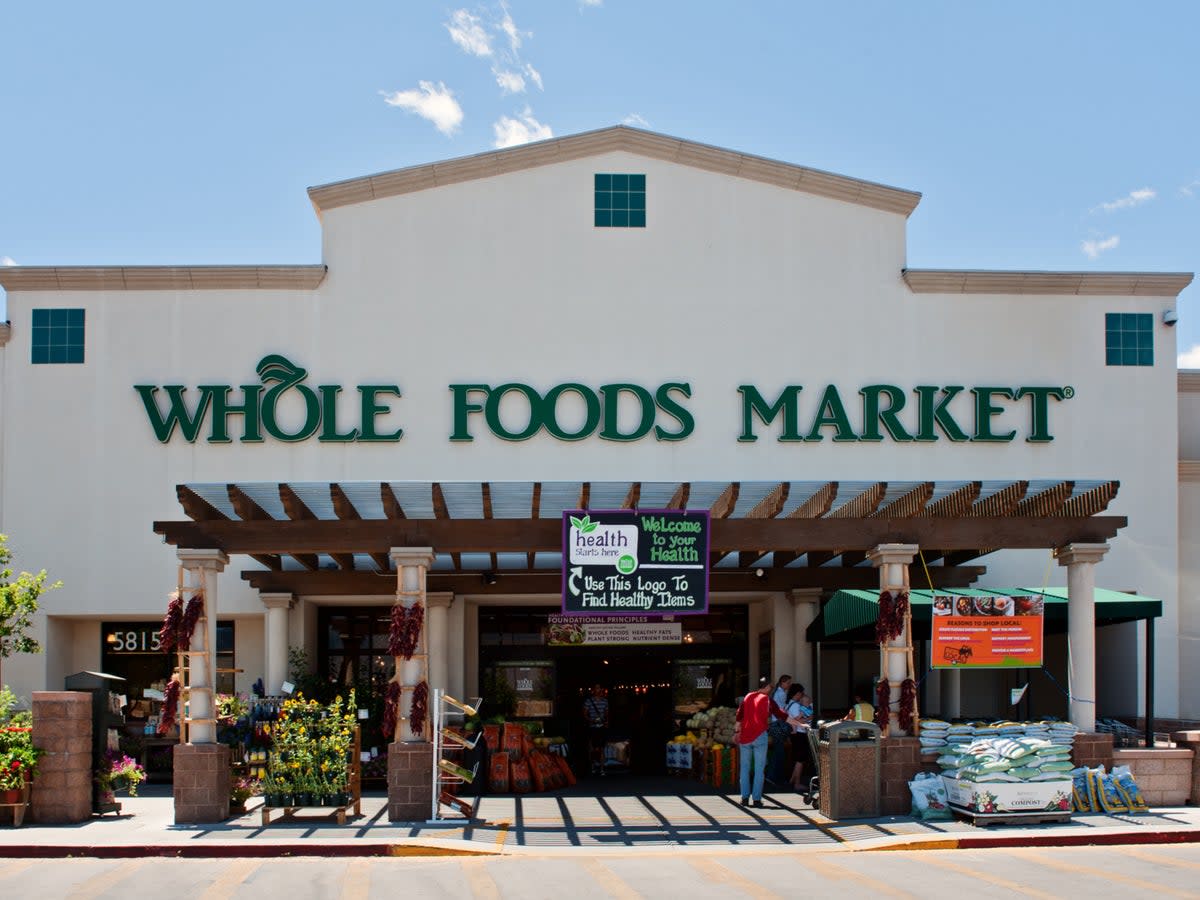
[(620, 561), (283, 407)]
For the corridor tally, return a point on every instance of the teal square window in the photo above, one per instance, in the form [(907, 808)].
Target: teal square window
[(620, 200), (57, 336), (1129, 339)]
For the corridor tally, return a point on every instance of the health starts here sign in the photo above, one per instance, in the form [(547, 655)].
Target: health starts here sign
[(620, 561)]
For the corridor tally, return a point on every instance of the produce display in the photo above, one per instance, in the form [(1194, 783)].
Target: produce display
[(720, 721), (521, 762)]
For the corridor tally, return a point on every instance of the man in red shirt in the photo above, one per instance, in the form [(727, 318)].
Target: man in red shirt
[(756, 709)]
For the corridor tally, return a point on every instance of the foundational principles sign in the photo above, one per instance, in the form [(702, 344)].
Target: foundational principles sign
[(621, 562), (987, 632), (622, 631)]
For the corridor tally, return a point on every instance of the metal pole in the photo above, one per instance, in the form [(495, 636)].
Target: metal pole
[(1149, 682), (816, 682)]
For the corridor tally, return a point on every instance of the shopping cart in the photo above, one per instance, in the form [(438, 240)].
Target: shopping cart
[(811, 792)]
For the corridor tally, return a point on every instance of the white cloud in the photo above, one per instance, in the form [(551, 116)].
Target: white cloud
[(7, 261), (584, 4), (434, 102), (521, 130), (1190, 190), (1092, 249), (534, 75), (1189, 359), (510, 82), (635, 120), (1133, 198), (468, 32), (509, 27)]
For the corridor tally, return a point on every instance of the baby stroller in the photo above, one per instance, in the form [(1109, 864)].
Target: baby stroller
[(812, 791)]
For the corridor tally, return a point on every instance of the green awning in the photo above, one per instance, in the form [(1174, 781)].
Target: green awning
[(851, 611)]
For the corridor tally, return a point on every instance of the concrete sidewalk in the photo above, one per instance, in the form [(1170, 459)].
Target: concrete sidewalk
[(557, 824)]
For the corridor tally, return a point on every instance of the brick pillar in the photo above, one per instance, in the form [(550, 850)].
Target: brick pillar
[(900, 762), (62, 727), (1093, 750), (1190, 740), (410, 780), (202, 782)]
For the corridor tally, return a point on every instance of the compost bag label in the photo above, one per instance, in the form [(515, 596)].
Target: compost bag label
[(624, 561)]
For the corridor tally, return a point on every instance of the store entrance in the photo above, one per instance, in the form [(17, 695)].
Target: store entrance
[(637, 684)]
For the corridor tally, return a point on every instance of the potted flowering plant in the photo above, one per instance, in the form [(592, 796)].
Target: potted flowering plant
[(116, 770)]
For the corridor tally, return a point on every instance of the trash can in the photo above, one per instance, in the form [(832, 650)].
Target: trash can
[(849, 766)]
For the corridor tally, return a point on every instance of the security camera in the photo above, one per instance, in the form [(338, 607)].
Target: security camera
[(1170, 317)]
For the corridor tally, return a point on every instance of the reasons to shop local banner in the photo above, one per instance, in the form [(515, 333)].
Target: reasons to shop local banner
[(618, 562), (987, 632)]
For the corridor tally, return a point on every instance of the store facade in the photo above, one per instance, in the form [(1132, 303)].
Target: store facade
[(610, 320)]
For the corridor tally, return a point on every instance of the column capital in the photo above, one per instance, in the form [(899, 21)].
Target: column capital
[(804, 596), (412, 556), (892, 554), (439, 599), (1080, 553), (278, 601), (203, 559)]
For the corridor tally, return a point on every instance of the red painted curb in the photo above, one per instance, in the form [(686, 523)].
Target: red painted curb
[(232, 851), (1182, 836)]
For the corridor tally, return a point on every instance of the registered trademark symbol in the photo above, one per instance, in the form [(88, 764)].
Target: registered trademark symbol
[(1068, 392)]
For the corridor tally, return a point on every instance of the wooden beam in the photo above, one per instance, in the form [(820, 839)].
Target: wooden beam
[(201, 510), (859, 507), (815, 507), (441, 513), (767, 508), (485, 498), (724, 505), (297, 511), (248, 510), (507, 583), (905, 507), (954, 504), (1089, 503), (585, 495), (391, 506), (1047, 503), (679, 499), (347, 512), (535, 512), (728, 535), (632, 496)]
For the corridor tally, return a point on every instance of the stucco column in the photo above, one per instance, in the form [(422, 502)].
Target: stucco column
[(411, 565), (1080, 560), (951, 692), (806, 603), (276, 634), (892, 561), (201, 568), (437, 608)]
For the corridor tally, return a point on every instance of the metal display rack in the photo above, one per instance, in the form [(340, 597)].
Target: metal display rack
[(447, 774)]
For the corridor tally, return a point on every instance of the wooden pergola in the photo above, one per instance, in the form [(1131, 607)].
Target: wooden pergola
[(505, 537)]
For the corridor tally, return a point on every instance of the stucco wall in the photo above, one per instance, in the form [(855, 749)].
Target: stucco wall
[(505, 279)]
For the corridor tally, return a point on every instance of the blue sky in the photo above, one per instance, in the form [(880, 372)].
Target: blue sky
[(1060, 136)]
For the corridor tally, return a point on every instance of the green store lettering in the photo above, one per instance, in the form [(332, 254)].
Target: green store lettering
[(284, 408), (884, 409), (259, 409), (537, 411)]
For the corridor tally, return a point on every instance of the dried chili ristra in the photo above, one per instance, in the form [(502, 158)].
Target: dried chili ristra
[(187, 624), (420, 708), (391, 710), (908, 705), (883, 622), (170, 707), (413, 621), (899, 611), (396, 630), (883, 701), (168, 635)]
